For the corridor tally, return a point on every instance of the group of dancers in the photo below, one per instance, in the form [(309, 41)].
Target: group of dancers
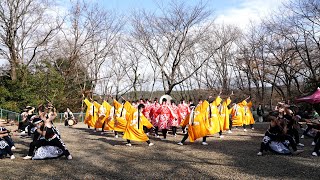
[(137, 120), (283, 130), (45, 135)]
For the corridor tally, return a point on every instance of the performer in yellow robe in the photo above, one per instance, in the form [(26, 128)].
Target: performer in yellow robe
[(213, 123), (118, 122), (91, 113), (247, 114), (135, 123), (237, 115), (196, 123), (108, 116), (104, 112), (96, 114), (224, 116), (101, 116)]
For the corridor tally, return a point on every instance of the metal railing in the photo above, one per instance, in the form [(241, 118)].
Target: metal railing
[(9, 115)]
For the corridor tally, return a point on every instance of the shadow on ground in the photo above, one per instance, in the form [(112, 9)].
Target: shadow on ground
[(99, 156)]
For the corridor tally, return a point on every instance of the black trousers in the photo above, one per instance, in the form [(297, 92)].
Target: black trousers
[(294, 133), (145, 129), (103, 125), (268, 138), (174, 130), (54, 142), (8, 150), (156, 130), (164, 133), (30, 126), (9, 141), (185, 137), (22, 125)]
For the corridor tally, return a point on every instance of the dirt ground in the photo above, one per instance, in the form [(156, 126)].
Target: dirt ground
[(97, 156)]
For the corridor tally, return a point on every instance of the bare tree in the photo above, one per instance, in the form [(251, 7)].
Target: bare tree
[(168, 39), (218, 70), (86, 43), (26, 27)]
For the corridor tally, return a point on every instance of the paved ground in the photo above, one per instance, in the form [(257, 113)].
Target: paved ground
[(99, 156)]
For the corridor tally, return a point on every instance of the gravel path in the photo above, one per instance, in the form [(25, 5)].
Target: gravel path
[(99, 156)]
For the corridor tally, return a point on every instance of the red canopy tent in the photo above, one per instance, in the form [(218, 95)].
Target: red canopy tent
[(313, 99)]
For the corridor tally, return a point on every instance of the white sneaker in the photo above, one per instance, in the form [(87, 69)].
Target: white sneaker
[(13, 148), (147, 134), (229, 132), (12, 157), (102, 133), (157, 136), (130, 144), (302, 137), (313, 143), (69, 157), (116, 136), (94, 130), (245, 130), (204, 143), (180, 143), (27, 157), (23, 132), (221, 136), (252, 128), (259, 154), (151, 144), (314, 154), (300, 144)]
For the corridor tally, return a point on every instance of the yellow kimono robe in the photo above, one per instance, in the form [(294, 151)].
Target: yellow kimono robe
[(224, 115), (95, 117), (213, 119), (103, 114), (196, 122), (107, 118), (134, 130), (119, 121), (247, 115), (236, 115), (91, 113)]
